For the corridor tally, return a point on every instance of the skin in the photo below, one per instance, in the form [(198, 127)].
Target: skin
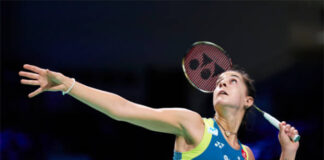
[(230, 108), (186, 125)]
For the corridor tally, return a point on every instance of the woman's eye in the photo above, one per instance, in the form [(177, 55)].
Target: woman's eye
[(234, 81)]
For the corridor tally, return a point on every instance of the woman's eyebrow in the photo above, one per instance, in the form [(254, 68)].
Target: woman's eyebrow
[(234, 75)]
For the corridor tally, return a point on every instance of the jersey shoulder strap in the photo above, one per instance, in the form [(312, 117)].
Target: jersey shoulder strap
[(245, 150), (204, 143)]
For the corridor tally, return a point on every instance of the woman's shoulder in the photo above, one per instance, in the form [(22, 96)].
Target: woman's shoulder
[(250, 155)]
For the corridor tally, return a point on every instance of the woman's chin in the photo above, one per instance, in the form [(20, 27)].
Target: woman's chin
[(220, 102), (224, 104)]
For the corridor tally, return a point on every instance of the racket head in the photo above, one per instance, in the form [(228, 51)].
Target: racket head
[(203, 63)]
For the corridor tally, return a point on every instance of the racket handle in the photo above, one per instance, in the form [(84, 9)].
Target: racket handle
[(275, 123)]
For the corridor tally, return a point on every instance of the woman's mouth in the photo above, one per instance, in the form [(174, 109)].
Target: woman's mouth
[(222, 92)]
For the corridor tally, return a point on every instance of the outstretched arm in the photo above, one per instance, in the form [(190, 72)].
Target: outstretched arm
[(175, 121)]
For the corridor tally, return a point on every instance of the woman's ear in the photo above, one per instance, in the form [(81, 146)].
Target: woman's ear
[(249, 101)]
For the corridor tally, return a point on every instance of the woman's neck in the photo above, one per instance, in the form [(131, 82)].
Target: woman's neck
[(230, 124), (229, 120)]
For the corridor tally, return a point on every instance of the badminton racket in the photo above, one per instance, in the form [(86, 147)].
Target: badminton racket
[(202, 65)]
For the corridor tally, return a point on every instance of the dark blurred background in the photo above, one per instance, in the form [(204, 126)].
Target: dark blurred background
[(134, 49)]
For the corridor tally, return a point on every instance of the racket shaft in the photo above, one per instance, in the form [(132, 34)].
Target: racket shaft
[(275, 123), (271, 119)]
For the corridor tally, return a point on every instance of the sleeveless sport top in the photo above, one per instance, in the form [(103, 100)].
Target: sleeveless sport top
[(213, 146)]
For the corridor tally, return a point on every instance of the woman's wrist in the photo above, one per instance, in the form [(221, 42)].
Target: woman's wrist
[(68, 84), (290, 148), (288, 155)]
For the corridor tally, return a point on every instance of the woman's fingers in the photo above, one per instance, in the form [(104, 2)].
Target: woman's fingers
[(38, 78), (289, 130), (293, 132), (35, 93), (33, 68), (46, 79), (29, 75), (30, 82)]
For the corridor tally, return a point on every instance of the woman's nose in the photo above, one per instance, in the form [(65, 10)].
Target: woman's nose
[(222, 84)]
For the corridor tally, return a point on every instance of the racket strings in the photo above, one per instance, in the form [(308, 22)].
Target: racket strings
[(203, 64)]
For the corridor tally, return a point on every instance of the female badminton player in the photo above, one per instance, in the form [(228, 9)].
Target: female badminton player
[(197, 138)]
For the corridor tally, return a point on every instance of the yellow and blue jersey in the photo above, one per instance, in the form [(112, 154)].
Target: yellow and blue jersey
[(213, 146)]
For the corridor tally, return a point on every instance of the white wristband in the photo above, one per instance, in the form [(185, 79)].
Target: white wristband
[(66, 92)]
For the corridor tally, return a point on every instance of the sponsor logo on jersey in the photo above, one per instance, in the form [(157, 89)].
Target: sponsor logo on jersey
[(213, 131), (219, 145)]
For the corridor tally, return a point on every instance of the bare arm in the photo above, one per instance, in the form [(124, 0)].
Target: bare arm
[(169, 120), (288, 147)]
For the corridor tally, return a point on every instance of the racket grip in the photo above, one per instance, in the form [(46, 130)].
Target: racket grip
[(275, 123), (296, 138)]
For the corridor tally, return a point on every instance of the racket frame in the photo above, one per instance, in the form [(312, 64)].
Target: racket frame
[(204, 43)]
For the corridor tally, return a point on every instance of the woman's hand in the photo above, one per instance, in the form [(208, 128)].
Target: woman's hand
[(288, 147), (46, 80)]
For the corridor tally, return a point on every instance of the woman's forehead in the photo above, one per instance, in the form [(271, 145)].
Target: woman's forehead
[(230, 74)]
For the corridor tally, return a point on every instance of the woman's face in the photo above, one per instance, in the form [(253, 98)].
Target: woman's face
[(231, 91)]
